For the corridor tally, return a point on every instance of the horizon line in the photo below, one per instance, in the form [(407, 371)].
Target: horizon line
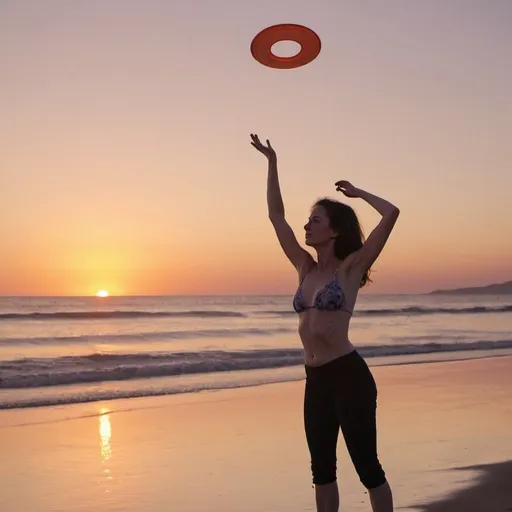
[(36, 296)]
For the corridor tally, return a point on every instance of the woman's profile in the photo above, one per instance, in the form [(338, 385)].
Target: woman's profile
[(340, 392)]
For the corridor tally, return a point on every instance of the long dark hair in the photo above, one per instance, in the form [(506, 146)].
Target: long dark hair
[(343, 220)]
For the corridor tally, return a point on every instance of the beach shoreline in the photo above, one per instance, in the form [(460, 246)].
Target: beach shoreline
[(132, 389), (216, 450)]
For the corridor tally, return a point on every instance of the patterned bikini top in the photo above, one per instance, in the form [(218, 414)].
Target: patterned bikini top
[(329, 298)]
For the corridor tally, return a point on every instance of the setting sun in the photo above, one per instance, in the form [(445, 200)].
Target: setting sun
[(102, 293)]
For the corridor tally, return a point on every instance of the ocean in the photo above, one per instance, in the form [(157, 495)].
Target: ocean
[(69, 350)]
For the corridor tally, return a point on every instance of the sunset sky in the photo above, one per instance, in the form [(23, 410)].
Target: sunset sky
[(126, 162)]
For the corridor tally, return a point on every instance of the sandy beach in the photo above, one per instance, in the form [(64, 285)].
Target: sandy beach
[(445, 432)]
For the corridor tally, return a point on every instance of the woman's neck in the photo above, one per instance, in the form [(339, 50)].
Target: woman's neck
[(326, 260)]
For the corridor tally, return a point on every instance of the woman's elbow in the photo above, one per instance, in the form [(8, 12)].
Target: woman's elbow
[(391, 215)]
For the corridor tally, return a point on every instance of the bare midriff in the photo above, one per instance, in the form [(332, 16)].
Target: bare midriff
[(324, 335)]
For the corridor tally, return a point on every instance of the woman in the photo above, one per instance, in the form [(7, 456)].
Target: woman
[(340, 389)]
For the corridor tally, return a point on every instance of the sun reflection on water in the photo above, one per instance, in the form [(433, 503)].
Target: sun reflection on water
[(105, 430)]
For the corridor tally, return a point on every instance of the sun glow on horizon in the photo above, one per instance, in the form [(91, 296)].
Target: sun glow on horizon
[(102, 293)]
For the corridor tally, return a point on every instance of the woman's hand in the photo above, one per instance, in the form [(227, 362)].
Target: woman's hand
[(347, 188), (267, 150)]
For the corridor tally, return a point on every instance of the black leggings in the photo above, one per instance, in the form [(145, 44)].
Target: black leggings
[(342, 393)]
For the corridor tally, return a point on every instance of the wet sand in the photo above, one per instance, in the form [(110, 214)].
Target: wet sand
[(445, 441)]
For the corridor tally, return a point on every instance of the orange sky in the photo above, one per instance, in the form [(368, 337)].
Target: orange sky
[(125, 157)]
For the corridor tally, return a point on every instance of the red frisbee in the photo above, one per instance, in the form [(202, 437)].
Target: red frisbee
[(261, 46)]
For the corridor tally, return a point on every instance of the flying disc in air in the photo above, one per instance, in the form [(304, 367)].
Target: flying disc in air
[(261, 46)]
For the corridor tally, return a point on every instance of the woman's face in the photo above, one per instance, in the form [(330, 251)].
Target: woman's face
[(318, 231)]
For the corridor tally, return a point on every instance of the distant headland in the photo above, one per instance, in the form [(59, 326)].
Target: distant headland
[(491, 289)]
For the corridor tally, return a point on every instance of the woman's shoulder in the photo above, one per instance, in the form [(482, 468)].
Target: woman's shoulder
[(308, 265)]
